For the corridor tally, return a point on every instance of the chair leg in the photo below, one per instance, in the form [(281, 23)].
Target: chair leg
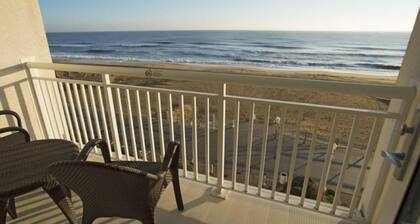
[(11, 208), (177, 188), (147, 218), (58, 196), (3, 210), (67, 192), (86, 219)]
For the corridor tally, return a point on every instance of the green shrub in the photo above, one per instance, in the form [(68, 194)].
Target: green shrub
[(190, 165), (311, 191), (328, 196)]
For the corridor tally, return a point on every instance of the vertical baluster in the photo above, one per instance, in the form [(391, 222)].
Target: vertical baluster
[(122, 123), (279, 145), (111, 113), (66, 111), (87, 112), (294, 154), (150, 122), (353, 132), (44, 120), (171, 118), (95, 116), (324, 176), (194, 138), (207, 140), (131, 124), (80, 113), (141, 130), (160, 124), (367, 156), (235, 138), (310, 158), (249, 146), (73, 114), (53, 106), (264, 149), (103, 118), (43, 86), (62, 125), (221, 121), (95, 112), (183, 145)]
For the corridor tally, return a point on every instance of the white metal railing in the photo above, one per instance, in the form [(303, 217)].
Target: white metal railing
[(115, 112)]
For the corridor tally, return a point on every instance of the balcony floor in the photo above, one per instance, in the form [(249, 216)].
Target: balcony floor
[(200, 207)]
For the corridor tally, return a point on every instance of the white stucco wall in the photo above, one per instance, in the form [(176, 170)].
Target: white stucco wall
[(22, 36), (383, 193)]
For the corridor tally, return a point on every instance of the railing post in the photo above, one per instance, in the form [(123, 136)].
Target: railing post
[(111, 113), (35, 99), (221, 120)]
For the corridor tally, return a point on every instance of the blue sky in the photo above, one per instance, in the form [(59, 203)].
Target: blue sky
[(325, 15)]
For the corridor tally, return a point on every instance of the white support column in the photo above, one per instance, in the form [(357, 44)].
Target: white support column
[(35, 101), (221, 120), (111, 113), (383, 193)]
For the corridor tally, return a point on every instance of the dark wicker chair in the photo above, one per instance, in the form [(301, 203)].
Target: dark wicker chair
[(23, 168), (128, 189), (17, 135)]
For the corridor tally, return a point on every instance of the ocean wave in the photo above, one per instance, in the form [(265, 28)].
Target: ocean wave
[(281, 47), (253, 51), (71, 45), (100, 51), (135, 45), (210, 43), (291, 62), (370, 55), (254, 60), (268, 61), (332, 65), (380, 66), (376, 48), (183, 60), (163, 42), (95, 57)]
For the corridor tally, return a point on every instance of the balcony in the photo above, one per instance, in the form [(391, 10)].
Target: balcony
[(200, 207), (242, 149)]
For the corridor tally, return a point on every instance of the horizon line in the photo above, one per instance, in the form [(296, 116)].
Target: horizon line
[(239, 30)]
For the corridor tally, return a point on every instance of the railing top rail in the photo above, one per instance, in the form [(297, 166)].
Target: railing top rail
[(319, 107), (390, 91), (123, 86)]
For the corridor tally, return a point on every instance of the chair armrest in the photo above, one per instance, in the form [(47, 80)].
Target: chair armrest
[(101, 144), (18, 129), (62, 169), (135, 171), (14, 114)]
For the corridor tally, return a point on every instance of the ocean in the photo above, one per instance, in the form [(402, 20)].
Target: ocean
[(360, 52)]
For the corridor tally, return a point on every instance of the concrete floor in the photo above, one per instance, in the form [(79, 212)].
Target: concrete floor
[(200, 207)]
